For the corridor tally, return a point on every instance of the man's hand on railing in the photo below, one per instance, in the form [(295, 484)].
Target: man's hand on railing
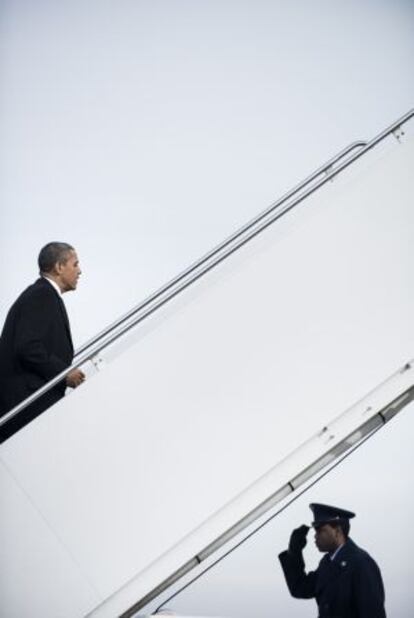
[(74, 378)]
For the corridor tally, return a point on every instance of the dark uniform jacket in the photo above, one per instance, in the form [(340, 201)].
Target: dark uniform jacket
[(35, 346), (350, 586)]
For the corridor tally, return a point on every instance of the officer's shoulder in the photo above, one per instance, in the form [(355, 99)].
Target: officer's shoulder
[(359, 555)]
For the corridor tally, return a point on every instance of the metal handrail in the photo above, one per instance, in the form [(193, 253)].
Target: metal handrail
[(221, 246), (211, 259)]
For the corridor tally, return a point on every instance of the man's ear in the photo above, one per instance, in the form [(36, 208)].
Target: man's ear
[(57, 268)]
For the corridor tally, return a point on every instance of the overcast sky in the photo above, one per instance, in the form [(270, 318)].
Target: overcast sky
[(144, 132)]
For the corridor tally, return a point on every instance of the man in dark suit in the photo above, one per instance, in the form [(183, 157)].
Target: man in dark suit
[(347, 582), (36, 342)]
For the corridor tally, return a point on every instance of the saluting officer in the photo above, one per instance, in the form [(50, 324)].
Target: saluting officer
[(347, 582)]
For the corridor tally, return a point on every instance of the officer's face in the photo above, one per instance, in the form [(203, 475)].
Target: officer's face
[(69, 272), (327, 538)]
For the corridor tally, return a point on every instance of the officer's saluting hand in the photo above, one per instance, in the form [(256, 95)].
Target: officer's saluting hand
[(298, 539)]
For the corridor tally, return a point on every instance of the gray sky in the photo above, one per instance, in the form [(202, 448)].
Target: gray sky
[(145, 132)]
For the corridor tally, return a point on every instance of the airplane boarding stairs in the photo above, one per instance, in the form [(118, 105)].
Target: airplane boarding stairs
[(169, 449)]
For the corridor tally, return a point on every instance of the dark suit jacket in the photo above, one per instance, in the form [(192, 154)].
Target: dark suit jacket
[(35, 346), (350, 586)]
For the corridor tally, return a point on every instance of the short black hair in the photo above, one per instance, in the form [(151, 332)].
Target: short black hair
[(52, 253)]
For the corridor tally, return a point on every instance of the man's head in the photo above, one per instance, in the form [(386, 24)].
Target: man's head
[(331, 526), (58, 261)]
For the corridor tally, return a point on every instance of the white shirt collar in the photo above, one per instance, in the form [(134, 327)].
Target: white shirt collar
[(53, 284), (333, 556)]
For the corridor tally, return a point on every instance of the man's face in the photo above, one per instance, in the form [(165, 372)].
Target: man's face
[(327, 538), (68, 272)]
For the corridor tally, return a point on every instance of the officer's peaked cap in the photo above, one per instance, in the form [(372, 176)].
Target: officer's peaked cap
[(325, 514)]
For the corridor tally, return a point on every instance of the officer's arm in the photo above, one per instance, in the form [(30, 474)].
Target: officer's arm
[(301, 584)]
